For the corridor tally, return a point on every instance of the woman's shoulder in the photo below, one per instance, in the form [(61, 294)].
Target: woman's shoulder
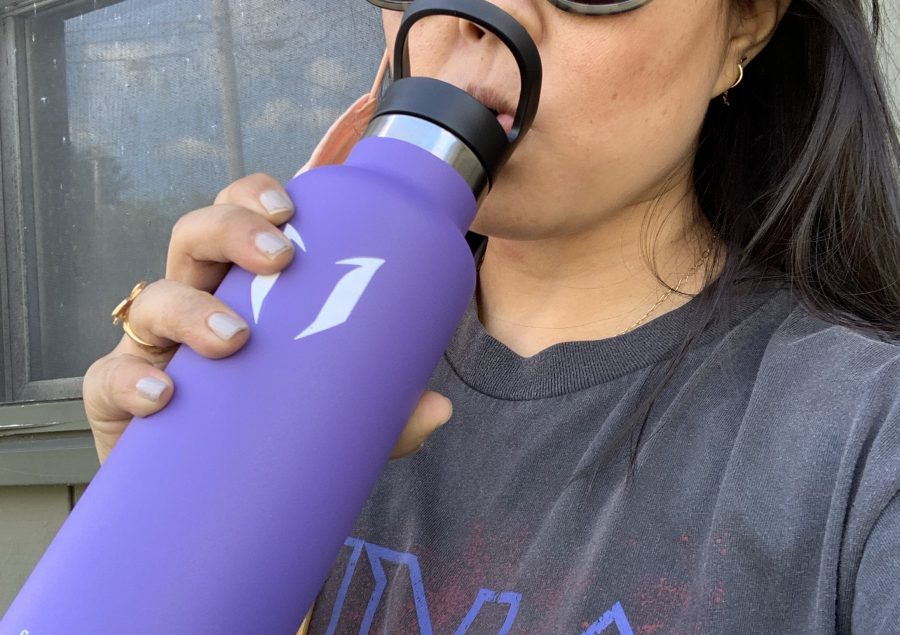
[(819, 399), (772, 324), (822, 345), (829, 369)]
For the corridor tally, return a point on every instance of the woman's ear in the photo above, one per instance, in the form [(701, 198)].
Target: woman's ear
[(751, 27)]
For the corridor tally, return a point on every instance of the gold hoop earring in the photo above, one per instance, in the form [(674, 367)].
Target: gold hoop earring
[(735, 84)]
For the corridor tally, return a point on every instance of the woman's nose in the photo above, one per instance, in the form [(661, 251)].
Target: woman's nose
[(525, 12)]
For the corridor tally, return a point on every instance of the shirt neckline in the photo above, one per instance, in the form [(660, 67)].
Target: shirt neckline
[(488, 366)]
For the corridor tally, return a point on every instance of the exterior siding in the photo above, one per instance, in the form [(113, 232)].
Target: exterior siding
[(29, 519)]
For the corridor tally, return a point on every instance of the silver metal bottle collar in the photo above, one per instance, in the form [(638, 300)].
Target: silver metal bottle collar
[(432, 138)]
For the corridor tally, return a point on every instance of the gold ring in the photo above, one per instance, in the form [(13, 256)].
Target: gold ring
[(120, 313)]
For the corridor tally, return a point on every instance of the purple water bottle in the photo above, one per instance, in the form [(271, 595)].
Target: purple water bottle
[(224, 512)]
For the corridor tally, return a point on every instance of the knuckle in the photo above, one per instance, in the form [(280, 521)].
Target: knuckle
[(102, 388), (117, 372), (153, 287), (141, 308), (151, 311), (199, 238), (257, 181), (91, 384), (178, 319), (91, 372), (233, 216), (181, 222), (181, 229), (119, 389), (262, 181), (256, 177), (250, 193), (223, 193), (187, 222), (180, 331)]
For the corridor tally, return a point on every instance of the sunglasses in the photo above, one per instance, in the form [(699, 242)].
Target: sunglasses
[(584, 7)]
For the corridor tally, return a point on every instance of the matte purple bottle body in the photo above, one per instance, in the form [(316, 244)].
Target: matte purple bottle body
[(225, 511)]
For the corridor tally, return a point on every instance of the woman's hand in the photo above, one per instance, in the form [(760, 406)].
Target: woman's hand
[(240, 227)]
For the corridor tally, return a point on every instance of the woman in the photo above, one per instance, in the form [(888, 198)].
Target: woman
[(675, 391)]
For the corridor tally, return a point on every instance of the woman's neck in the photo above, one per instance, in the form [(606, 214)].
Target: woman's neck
[(593, 285)]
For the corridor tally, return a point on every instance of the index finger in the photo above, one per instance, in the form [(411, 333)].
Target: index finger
[(259, 193)]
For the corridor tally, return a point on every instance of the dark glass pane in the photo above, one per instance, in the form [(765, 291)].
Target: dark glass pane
[(131, 105)]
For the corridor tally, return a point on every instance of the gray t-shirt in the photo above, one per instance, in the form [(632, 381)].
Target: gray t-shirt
[(764, 499)]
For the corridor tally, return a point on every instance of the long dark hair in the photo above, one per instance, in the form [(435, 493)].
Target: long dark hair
[(798, 177)]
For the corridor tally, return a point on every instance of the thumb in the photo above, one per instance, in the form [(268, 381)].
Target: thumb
[(343, 134), (432, 411)]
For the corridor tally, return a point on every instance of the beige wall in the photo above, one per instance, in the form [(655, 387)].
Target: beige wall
[(29, 519)]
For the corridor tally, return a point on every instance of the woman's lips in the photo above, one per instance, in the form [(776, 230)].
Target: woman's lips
[(494, 100), (506, 120)]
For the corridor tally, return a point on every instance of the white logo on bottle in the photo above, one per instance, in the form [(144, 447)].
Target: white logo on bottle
[(340, 302)]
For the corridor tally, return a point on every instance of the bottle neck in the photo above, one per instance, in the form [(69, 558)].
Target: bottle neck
[(439, 142)]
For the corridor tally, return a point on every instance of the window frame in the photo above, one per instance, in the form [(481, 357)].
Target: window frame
[(45, 438), (18, 202)]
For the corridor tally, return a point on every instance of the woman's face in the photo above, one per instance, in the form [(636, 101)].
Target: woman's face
[(621, 107)]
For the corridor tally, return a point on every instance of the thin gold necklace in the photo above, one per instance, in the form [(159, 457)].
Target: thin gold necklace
[(662, 299), (670, 291)]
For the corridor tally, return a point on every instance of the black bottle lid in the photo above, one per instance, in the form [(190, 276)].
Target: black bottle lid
[(451, 107)]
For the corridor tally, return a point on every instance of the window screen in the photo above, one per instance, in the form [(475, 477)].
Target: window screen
[(132, 113), (117, 117)]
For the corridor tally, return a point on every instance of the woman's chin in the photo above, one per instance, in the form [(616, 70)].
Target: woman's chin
[(507, 226), (512, 213)]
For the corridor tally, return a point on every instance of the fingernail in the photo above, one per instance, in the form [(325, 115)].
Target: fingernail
[(276, 202), (151, 388), (224, 325), (449, 410), (272, 244)]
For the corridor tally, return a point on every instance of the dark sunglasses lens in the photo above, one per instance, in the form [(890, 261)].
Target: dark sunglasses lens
[(600, 6), (583, 6), (394, 5)]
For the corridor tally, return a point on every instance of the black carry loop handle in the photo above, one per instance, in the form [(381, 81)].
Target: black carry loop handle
[(453, 108)]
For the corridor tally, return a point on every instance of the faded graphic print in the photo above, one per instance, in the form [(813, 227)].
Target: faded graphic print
[(362, 609)]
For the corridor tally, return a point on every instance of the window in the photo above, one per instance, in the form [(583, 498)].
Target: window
[(117, 117)]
